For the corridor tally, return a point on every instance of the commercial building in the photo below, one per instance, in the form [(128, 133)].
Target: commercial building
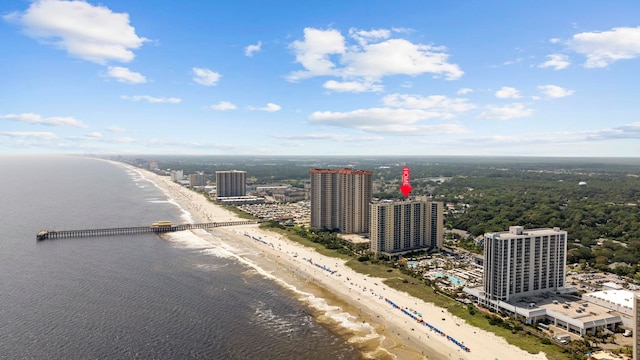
[(340, 199), (401, 226), (197, 179), (522, 263), (177, 175), (231, 183)]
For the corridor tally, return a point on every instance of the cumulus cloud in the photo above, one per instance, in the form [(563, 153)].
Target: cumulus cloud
[(39, 135), (554, 91), (31, 118), (507, 92), (556, 61), (152, 99), (604, 48), (387, 121), (443, 104), (205, 77), (464, 91), (125, 75), (507, 112), (271, 107), (373, 56), (364, 37), (93, 33), (251, 49), (352, 86), (314, 51), (223, 106)]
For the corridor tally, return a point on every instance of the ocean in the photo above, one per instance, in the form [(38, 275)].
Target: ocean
[(131, 297)]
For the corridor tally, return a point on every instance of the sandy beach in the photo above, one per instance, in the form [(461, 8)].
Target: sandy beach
[(382, 322)]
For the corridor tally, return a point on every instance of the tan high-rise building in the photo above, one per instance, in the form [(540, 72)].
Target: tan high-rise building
[(523, 262), (409, 225), (340, 199), (231, 183)]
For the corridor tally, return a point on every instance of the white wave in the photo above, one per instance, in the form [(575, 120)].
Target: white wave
[(188, 240), (214, 246)]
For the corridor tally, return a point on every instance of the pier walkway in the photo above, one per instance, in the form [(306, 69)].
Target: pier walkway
[(57, 234)]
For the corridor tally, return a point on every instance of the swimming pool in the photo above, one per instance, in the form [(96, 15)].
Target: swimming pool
[(454, 280)]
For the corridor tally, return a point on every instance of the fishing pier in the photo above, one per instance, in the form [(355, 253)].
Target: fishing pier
[(161, 227)]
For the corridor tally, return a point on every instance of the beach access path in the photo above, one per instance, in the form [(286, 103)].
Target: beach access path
[(383, 305)]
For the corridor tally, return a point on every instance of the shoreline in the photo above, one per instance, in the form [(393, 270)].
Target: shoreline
[(384, 331)]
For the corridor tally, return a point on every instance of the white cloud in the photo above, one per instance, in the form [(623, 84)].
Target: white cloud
[(363, 37), (223, 106), (506, 112), (508, 93), (115, 129), (271, 107), (93, 33), (31, 118), (386, 121), (555, 40), (125, 75), (445, 105), (313, 53), (555, 91), (398, 57), (39, 135), (464, 91), (352, 86), (151, 99), (629, 131), (94, 135), (251, 49), (556, 61), (205, 77), (329, 136), (373, 56), (606, 47)]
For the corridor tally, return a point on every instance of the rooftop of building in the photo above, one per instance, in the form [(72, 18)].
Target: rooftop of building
[(615, 297), (348, 171), (519, 231), (410, 200), (564, 305)]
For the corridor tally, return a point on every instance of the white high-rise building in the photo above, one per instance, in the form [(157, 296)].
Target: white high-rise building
[(402, 226), (231, 183), (523, 262), (177, 175), (340, 199)]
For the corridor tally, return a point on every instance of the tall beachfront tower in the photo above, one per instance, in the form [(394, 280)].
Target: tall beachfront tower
[(520, 263), (340, 199), (231, 183), (401, 226)]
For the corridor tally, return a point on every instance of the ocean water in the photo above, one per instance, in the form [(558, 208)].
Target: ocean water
[(130, 297)]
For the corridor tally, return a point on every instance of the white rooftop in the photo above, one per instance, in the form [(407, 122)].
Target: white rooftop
[(617, 297)]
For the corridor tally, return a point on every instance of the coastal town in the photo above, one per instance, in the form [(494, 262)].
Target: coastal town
[(569, 307)]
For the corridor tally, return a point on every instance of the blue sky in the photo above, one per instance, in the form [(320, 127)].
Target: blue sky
[(533, 78)]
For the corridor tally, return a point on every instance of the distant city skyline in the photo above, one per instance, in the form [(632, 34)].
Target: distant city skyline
[(411, 78)]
